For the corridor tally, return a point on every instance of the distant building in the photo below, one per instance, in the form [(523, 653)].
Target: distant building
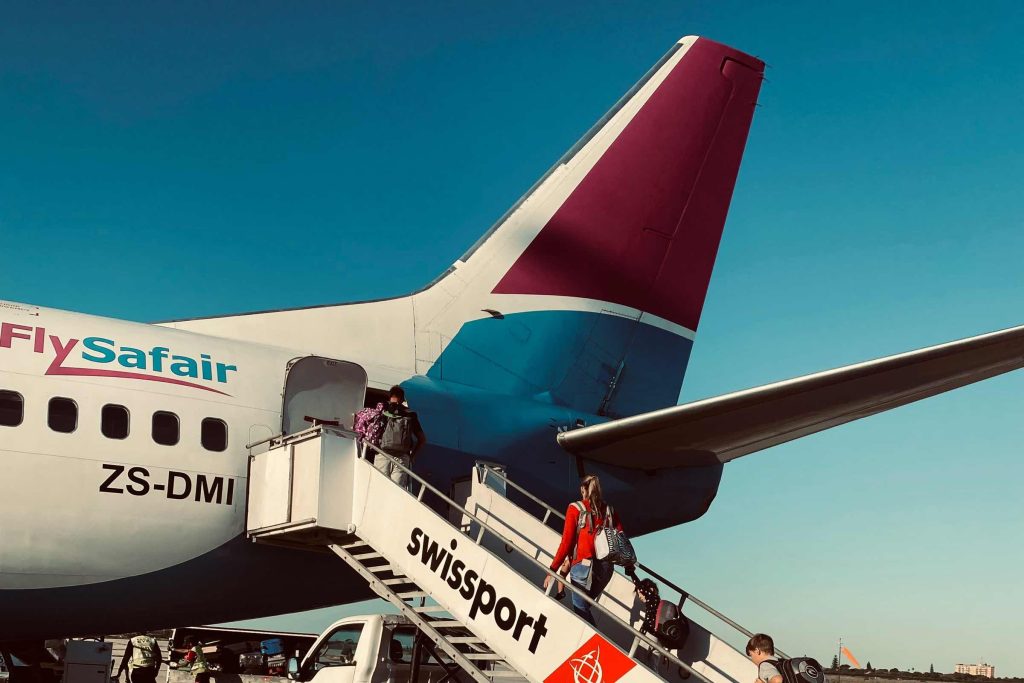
[(979, 669)]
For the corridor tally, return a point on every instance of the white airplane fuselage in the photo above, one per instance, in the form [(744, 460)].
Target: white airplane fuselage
[(80, 510), (119, 533)]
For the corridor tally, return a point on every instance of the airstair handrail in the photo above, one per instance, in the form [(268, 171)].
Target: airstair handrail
[(424, 485), (549, 511)]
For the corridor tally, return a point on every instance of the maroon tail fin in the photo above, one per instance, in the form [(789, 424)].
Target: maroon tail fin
[(642, 227)]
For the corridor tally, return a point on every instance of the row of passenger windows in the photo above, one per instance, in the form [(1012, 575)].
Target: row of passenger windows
[(115, 421)]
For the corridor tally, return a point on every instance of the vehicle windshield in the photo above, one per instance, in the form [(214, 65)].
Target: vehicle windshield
[(340, 647)]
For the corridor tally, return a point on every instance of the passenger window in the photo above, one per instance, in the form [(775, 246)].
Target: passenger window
[(340, 648), (114, 421), (12, 408), (62, 415), (165, 428), (214, 434)]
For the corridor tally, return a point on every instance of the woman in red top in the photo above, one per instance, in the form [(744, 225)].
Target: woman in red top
[(586, 572)]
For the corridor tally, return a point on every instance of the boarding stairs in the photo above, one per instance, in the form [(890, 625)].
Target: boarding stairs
[(468, 573)]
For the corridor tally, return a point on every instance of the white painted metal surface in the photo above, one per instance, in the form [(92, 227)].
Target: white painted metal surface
[(489, 588), (87, 661), (324, 389), (372, 662), (62, 526), (708, 654), (304, 482)]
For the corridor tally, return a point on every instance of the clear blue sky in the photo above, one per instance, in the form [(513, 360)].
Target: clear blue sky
[(199, 158)]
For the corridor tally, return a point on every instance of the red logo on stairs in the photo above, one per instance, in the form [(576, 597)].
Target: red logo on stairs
[(597, 661)]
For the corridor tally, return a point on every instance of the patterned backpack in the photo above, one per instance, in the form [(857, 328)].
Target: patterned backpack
[(370, 424)]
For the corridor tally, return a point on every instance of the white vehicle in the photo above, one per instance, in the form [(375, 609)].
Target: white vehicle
[(377, 648), (362, 649)]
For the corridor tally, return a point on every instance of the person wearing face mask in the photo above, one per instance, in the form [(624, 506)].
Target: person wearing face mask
[(402, 437)]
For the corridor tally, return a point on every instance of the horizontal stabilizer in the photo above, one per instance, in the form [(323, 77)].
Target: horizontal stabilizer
[(727, 427)]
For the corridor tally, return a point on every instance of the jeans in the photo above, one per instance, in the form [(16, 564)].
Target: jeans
[(142, 674), (603, 571), (397, 474)]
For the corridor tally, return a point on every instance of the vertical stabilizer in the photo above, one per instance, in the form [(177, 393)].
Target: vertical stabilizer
[(599, 273)]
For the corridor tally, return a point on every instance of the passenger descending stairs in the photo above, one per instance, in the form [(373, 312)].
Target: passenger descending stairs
[(489, 617)]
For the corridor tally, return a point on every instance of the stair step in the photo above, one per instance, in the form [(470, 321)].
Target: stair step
[(368, 556), (445, 624), (414, 594), (483, 656), (503, 674), (398, 582), (476, 648), (378, 568), (468, 640), (423, 609)]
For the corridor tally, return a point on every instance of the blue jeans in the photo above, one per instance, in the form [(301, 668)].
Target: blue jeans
[(603, 571)]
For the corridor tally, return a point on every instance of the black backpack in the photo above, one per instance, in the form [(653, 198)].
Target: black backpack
[(798, 670)]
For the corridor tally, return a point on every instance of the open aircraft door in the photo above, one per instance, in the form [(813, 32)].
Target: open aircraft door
[(330, 391)]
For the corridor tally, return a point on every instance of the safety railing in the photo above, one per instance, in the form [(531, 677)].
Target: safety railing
[(550, 512), (483, 529)]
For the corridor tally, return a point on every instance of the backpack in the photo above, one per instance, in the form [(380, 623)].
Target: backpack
[(397, 435), (369, 424), (798, 670), (609, 543), (661, 617)]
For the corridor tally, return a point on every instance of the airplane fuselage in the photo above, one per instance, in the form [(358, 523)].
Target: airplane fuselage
[(148, 529)]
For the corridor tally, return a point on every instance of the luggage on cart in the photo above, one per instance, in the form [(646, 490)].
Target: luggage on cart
[(252, 663), (276, 665)]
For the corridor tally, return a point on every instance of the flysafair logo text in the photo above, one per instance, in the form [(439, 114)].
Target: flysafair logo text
[(106, 356), (483, 596)]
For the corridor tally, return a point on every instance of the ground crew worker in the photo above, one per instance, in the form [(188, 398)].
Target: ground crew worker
[(141, 658), (198, 665)]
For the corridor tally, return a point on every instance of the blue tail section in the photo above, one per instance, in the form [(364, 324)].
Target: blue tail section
[(597, 363)]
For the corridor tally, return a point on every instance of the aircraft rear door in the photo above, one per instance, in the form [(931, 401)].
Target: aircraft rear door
[(321, 388)]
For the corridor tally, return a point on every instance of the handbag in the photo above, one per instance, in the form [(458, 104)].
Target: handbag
[(613, 545)]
